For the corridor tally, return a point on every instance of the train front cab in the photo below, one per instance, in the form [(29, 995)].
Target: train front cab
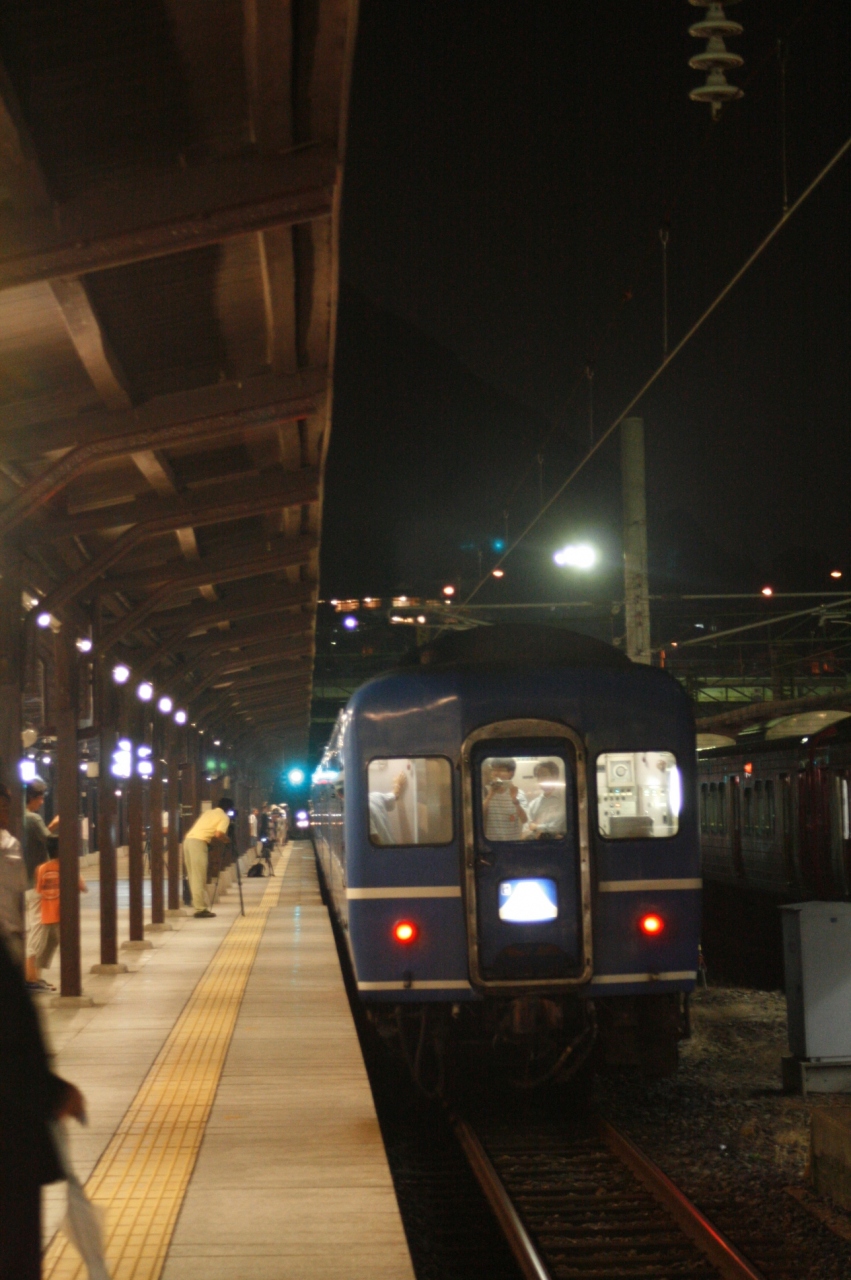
[(602, 905)]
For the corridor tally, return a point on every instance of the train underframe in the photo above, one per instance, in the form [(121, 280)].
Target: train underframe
[(529, 1040)]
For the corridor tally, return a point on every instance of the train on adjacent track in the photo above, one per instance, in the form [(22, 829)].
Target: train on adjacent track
[(507, 831), (774, 828)]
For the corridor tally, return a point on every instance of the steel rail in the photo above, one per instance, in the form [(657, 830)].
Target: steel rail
[(712, 1243), (528, 1259), (721, 1253)]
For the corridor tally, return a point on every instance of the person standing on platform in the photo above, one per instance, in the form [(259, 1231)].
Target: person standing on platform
[(36, 836), (13, 884), (47, 889), (30, 1098), (211, 825)]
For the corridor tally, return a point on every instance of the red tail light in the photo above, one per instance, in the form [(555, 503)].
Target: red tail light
[(405, 931), (652, 925)]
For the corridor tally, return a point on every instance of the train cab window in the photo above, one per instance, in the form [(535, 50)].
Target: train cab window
[(638, 795), (523, 798), (410, 801)]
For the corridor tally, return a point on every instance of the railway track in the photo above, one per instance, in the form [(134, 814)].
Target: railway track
[(586, 1202)]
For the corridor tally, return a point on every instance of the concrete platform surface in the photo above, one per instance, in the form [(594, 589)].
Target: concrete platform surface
[(232, 1130)]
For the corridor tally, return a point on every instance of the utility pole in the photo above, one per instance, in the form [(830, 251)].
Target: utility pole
[(636, 591)]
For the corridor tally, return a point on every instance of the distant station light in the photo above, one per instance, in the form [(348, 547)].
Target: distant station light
[(145, 691), (578, 555), (84, 644), (421, 619), (499, 573), (121, 673), (180, 717), (165, 705), (768, 591), (350, 622), (44, 619), (836, 573), (449, 591), (296, 777)]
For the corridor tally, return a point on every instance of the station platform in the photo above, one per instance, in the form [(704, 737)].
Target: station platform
[(231, 1125)]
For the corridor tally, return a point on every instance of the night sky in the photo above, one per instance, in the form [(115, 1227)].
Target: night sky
[(509, 167)]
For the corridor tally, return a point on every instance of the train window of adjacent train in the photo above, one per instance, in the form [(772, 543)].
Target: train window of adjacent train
[(523, 798), (704, 808), (638, 795), (769, 811), (747, 805), (721, 826), (410, 801)]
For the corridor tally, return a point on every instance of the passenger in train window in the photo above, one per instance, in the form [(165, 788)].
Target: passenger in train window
[(546, 812), (381, 803), (502, 807)]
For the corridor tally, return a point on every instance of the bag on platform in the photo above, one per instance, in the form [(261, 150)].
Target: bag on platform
[(255, 870)]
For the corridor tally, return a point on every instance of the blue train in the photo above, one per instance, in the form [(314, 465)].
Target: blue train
[(506, 829)]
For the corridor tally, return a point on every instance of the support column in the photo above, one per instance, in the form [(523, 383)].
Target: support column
[(636, 589), (156, 814), (11, 681), (174, 883), (135, 843), (106, 819), (67, 788)]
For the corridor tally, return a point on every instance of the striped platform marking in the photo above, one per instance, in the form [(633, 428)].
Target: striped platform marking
[(419, 984), (647, 886), (677, 975), (141, 1178)]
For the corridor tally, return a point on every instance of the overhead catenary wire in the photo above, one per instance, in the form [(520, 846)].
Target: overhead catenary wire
[(671, 356)]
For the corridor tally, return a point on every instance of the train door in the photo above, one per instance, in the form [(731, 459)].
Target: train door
[(823, 846), (527, 873)]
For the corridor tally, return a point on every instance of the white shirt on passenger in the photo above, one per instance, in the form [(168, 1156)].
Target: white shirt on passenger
[(214, 822), (547, 812)]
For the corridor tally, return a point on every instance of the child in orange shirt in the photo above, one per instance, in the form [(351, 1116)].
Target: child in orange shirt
[(47, 888)]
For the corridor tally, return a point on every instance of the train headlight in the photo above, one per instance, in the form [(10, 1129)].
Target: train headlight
[(405, 931), (651, 925)]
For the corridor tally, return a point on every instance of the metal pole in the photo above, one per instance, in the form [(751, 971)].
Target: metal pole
[(636, 590), (67, 777), (174, 885), (156, 819), (135, 840), (106, 821), (11, 683)]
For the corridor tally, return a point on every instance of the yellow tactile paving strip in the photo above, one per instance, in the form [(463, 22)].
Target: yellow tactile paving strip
[(141, 1178)]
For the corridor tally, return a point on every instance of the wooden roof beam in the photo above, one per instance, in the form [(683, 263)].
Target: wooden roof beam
[(166, 211)]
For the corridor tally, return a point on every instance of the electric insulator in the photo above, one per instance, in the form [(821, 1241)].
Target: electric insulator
[(716, 60)]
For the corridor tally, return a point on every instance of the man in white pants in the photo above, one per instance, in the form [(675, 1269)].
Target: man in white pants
[(211, 825)]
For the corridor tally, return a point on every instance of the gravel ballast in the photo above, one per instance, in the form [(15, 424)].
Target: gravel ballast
[(724, 1131)]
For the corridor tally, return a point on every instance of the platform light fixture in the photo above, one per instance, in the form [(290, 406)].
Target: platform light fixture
[(296, 776), (165, 705), (768, 591), (26, 770), (449, 591), (121, 673), (44, 619), (180, 717), (144, 752), (498, 573), (84, 644), (836, 573), (145, 691), (145, 768), (350, 622), (576, 555)]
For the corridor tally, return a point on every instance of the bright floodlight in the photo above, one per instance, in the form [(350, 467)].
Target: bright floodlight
[(84, 644), (296, 777), (180, 717), (145, 691), (27, 770), (121, 673), (577, 555), (43, 619), (165, 705)]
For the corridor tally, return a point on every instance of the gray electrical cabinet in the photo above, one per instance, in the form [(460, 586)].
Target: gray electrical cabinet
[(817, 964)]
